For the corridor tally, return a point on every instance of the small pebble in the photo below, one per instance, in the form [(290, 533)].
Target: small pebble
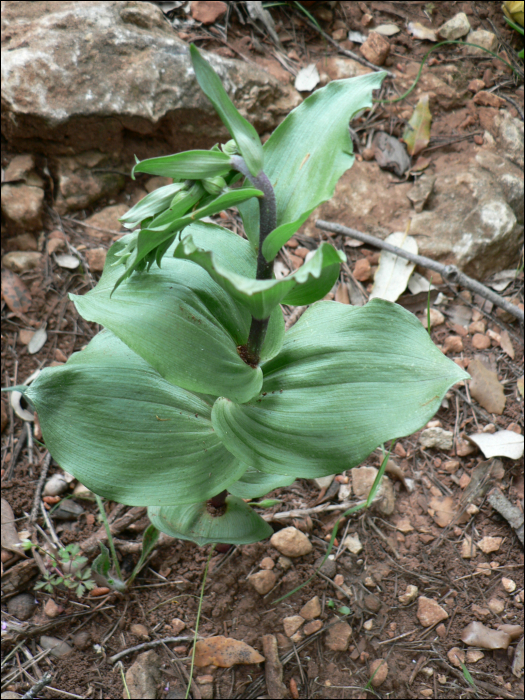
[(311, 627), (476, 634), (51, 609), (311, 609), (353, 544), (514, 631), (368, 625), (378, 672), (329, 568), (82, 639), (338, 635), (284, 563), (409, 595), (508, 584), (372, 603), (490, 544), (496, 605), (441, 631), (456, 656), (453, 344), (57, 647), (22, 606), (263, 581), (291, 542), (55, 485), (429, 612), (291, 624), (177, 625), (267, 563), (480, 342), (473, 656), (139, 630)]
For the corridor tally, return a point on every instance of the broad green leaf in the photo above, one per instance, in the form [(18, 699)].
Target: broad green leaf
[(180, 321), (307, 284), (110, 419), (152, 204), (239, 524), (193, 165), (254, 484), (417, 133), (310, 150), (347, 379), (246, 138), (102, 563), (151, 238)]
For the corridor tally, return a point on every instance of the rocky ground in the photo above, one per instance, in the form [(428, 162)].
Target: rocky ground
[(422, 595)]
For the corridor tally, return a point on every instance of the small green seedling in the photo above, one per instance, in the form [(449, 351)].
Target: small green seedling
[(194, 400), (67, 569)]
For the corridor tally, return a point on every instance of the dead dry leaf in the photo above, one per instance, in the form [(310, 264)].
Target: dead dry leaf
[(225, 652), (417, 133), (504, 443), (15, 293), (506, 344), (485, 388), (9, 534), (393, 273), (341, 294)]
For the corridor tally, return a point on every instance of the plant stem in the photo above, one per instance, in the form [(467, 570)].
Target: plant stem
[(267, 223), (198, 619), (116, 563), (218, 500)]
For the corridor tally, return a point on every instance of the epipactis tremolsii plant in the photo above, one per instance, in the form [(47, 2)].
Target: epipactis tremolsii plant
[(194, 398)]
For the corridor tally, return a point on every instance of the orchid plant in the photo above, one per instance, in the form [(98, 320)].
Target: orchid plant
[(193, 399)]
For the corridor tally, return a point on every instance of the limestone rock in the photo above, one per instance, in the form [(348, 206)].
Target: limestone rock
[(455, 28), (107, 219), (291, 542), (338, 635), (83, 179), (96, 258), (311, 609), (379, 671), (481, 37), (22, 205), (21, 260), (263, 581), (429, 612), (375, 49), (291, 624), (312, 627), (66, 92), (142, 677), (362, 481), (437, 438), (476, 634)]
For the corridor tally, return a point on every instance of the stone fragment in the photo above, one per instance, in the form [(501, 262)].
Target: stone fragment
[(329, 568), (96, 257), (508, 132), (409, 595), (57, 647), (353, 544), (143, 676), (476, 634), (139, 630), (490, 544), (291, 542), (488, 99), (311, 609), (476, 85), (441, 630), (375, 49), (22, 206), (468, 548), (338, 635), (312, 627), (429, 612), (479, 611), (51, 609), (455, 28), (362, 481), (378, 672), (436, 318), (483, 38), (105, 222), (477, 327), (177, 625), (82, 639), (284, 563), (263, 581), (436, 438), (267, 563), (21, 260), (55, 485), (480, 342), (372, 603), (273, 669), (508, 584), (207, 12), (291, 624), (25, 241), (456, 656), (21, 606), (225, 652), (362, 270), (453, 344), (496, 605), (514, 631)]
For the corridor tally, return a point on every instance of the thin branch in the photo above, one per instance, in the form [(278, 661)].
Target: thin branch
[(449, 272), (148, 645)]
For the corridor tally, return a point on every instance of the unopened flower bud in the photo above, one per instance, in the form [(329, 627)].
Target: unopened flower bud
[(230, 148), (214, 185)]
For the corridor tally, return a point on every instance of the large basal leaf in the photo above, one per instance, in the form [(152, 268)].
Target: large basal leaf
[(181, 322), (255, 484), (154, 237), (238, 525), (127, 434), (310, 150), (307, 284), (347, 379), (246, 138), (194, 165)]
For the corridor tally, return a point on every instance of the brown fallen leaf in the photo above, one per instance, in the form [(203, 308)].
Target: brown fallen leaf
[(10, 539), (486, 388), (15, 293), (225, 652), (506, 344), (417, 133), (341, 294)]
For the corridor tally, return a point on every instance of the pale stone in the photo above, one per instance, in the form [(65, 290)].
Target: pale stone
[(291, 542), (453, 344), (177, 625), (368, 625), (455, 28), (379, 671), (436, 318), (263, 581), (312, 627), (375, 49), (362, 481), (477, 327), (473, 656), (456, 656), (476, 634), (362, 270), (57, 647), (508, 584), (267, 563), (480, 342), (514, 631), (481, 37), (353, 544), (338, 635), (490, 544), (96, 259), (429, 612), (21, 260), (437, 438), (496, 605), (139, 630), (468, 550), (291, 624), (311, 609), (409, 595), (51, 609), (23, 205), (479, 611)]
